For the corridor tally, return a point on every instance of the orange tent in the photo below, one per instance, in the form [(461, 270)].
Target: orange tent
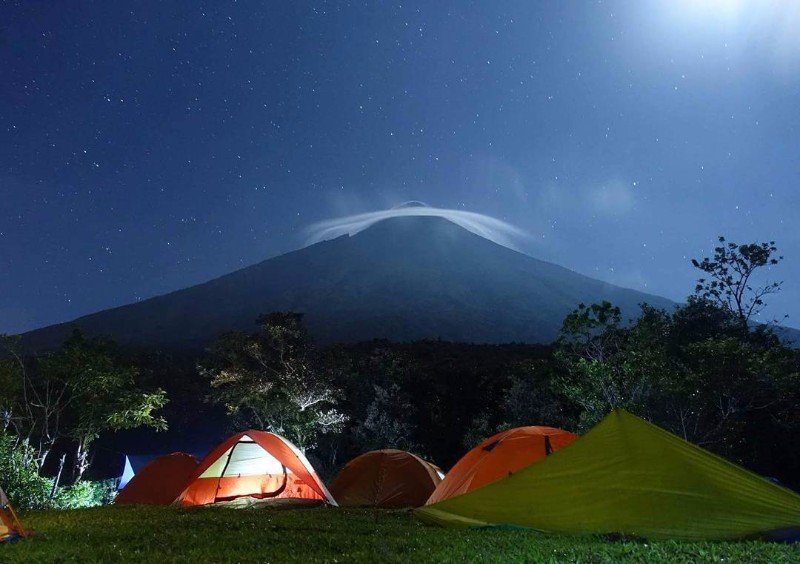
[(10, 526), (385, 478), (254, 464), (498, 456), (160, 481)]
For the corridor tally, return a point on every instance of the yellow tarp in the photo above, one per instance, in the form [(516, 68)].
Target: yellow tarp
[(628, 476)]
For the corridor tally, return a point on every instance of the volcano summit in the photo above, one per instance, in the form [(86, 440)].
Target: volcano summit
[(402, 278)]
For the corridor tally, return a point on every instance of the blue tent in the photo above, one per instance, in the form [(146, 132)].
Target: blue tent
[(133, 463)]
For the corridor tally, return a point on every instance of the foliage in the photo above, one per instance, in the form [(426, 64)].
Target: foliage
[(86, 493), (99, 393), (531, 397), (730, 277), (27, 489), (702, 371), (527, 398), (270, 380), (599, 376), (387, 423), (169, 534), (720, 388), (479, 428), (64, 400), (19, 475), (426, 395)]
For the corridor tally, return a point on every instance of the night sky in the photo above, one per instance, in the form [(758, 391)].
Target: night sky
[(149, 148)]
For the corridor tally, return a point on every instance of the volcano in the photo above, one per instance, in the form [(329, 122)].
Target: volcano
[(403, 278)]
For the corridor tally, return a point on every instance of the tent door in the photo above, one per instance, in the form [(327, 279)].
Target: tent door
[(263, 495)]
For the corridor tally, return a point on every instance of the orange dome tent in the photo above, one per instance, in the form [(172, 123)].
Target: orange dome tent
[(498, 456), (254, 464), (385, 478), (10, 527), (160, 481)]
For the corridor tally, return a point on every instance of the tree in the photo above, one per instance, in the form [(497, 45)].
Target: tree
[(692, 371), (32, 404), (530, 398), (69, 396), (97, 393), (592, 331), (12, 377), (731, 273), (593, 350), (387, 423), (270, 379)]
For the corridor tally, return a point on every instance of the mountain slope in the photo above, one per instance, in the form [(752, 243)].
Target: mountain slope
[(402, 278)]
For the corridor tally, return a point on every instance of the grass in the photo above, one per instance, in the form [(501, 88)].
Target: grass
[(167, 534)]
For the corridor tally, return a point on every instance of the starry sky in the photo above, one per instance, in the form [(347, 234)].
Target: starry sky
[(157, 146)]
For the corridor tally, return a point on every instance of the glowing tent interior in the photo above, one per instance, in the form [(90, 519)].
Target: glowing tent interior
[(385, 478), (160, 481), (257, 465), (629, 476), (499, 455)]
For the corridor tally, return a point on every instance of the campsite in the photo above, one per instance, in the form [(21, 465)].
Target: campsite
[(335, 281), (650, 491), (352, 463)]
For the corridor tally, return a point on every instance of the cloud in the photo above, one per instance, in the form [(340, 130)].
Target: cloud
[(488, 227), (497, 176), (612, 198)]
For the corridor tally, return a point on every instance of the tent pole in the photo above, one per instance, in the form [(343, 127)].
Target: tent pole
[(224, 469)]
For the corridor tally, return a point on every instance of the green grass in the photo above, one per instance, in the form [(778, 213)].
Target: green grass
[(166, 534)]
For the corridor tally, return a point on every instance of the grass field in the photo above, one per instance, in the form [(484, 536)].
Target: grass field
[(166, 534)]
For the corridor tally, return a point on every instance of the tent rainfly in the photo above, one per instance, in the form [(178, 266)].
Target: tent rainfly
[(257, 465), (160, 481), (10, 526), (498, 456), (628, 476), (385, 478)]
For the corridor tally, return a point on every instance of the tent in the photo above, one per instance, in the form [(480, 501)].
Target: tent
[(10, 526), (127, 473), (628, 476), (255, 464), (498, 456), (385, 478), (160, 481), (133, 463)]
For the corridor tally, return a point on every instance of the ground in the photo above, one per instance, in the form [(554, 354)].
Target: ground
[(167, 534)]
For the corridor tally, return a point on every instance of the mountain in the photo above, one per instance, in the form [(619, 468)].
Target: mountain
[(402, 278)]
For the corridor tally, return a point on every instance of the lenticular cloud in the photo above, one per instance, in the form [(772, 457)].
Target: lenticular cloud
[(493, 229)]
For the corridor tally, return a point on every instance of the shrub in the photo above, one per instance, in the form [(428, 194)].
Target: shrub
[(86, 494), (26, 489), (19, 476)]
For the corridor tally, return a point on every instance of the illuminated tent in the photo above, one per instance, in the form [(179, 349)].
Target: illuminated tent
[(257, 465), (127, 473), (498, 456), (160, 481), (385, 478), (629, 476), (132, 464), (10, 526)]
